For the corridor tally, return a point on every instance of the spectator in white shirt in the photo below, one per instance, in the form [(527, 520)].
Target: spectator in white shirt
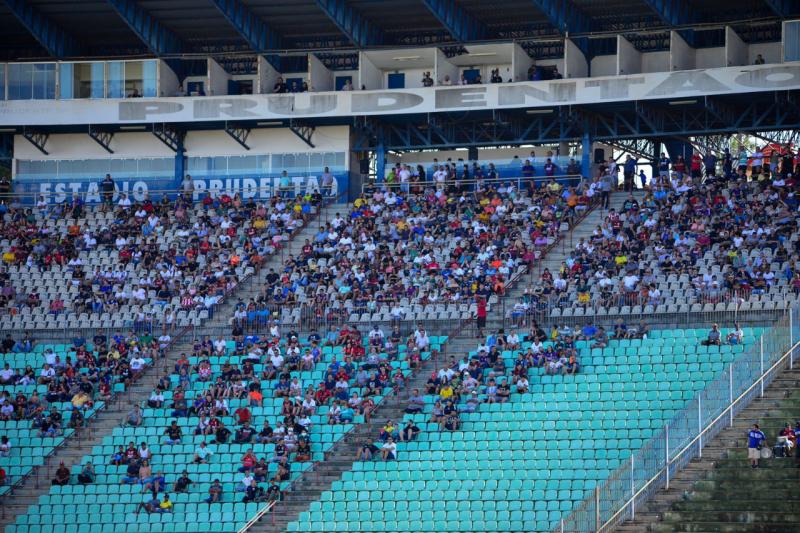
[(202, 453)]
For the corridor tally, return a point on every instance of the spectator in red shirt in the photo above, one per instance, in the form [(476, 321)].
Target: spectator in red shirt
[(481, 313), (243, 415)]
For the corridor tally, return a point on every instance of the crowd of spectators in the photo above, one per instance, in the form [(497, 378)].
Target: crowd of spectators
[(447, 244), (462, 385), (721, 240), (79, 381), (348, 387), (167, 256)]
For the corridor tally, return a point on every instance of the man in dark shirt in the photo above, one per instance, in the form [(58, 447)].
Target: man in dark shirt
[(173, 433), (273, 492), (183, 482), (280, 86), (222, 434), (265, 435), (8, 344), (107, 189), (244, 434)]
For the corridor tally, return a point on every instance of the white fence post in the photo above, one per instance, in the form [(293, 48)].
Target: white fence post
[(666, 451), (791, 338), (700, 426), (597, 508), (761, 350), (730, 393), (633, 492)]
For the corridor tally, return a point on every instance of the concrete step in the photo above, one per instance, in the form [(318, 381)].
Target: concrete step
[(310, 487), (77, 447), (720, 492)]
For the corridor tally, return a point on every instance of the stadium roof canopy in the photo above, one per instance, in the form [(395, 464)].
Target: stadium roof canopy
[(37, 29)]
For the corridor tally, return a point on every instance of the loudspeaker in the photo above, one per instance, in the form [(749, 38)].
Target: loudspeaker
[(472, 154), (364, 166), (599, 155)]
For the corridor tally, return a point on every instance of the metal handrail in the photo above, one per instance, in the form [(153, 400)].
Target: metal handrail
[(264, 510), (727, 412), (519, 180)]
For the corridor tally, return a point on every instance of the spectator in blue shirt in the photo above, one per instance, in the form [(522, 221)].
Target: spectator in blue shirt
[(629, 170), (527, 169), (755, 440)]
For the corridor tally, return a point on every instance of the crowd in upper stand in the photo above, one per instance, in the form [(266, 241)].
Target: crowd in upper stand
[(449, 243), (161, 257)]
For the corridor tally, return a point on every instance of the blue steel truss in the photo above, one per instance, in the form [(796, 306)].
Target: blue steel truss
[(565, 16), (672, 12), (461, 25), (783, 8), (52, 37), (778, 111), (159, 39), (353, 24), (252, 28)]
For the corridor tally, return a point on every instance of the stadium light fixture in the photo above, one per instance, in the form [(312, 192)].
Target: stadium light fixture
[(539, 111), (482, 54), (683, 102), (133, 128), (270, 123), (8, 130), (405, 58)]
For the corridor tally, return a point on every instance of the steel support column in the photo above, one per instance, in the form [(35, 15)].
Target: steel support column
[(672, 12), (586, 154), (352, 23), (52, 37), (252, 28), (159, 39), (461, 25), (783, 8), (565, 16), (180, 160)]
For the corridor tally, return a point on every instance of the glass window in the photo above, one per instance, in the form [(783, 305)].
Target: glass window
[(83, 80), (791, 41), (149, 78), (29, 81), (133, 79), (44, 81), (116, 79), (65, 79)]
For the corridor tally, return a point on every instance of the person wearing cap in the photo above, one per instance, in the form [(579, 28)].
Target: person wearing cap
[(755, 440), (214, 492), (472, 402), (787, 440), (713, 337)]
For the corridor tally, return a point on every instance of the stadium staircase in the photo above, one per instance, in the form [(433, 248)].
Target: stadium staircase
[(720, 492), (341, 457), (104, 421)]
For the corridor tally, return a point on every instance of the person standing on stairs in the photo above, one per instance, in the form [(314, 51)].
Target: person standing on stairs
[(755, 440), (481, 315), (606, 185)]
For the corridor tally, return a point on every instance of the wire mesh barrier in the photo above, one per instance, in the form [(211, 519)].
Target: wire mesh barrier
[(652, 467)]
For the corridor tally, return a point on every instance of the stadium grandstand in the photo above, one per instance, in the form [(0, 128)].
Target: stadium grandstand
[(399, 265)]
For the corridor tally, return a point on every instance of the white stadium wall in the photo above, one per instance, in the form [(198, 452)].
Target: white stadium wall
[(80, 146)]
